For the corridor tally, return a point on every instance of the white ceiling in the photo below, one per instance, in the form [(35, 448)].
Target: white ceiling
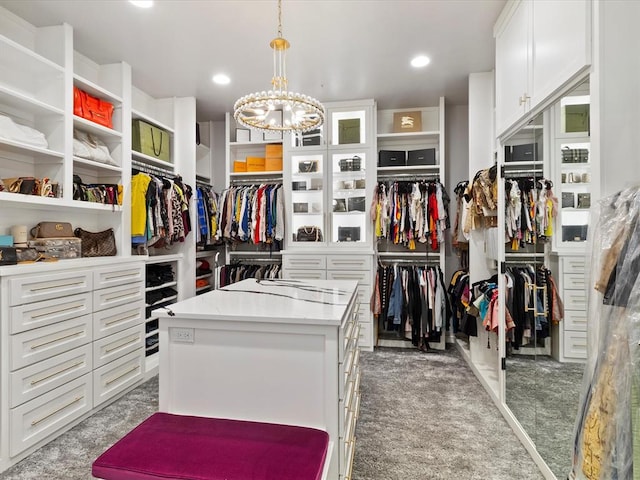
[(340, 49)]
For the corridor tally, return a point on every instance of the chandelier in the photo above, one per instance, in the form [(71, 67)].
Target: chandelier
[(279, 110)]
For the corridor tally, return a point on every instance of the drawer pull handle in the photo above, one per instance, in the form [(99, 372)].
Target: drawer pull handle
[(117, 297), (58, 285), (117, 347), (122, 275), (132, 369), (120, 319), (74, 334), (66, 369), (57, 410), (61, 310)]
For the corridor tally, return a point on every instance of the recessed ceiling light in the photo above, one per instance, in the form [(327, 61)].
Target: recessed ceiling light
[(420, 61), (221, 79), (142, 3)]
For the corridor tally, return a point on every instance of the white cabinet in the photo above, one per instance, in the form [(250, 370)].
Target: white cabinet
[(573, 291), (72, 340), (541, 45)]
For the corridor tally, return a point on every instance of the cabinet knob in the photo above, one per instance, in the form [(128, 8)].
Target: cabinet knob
[(523, 99)]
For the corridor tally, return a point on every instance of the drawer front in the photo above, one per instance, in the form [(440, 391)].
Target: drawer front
[(304, 274), (115, 377), (575, 345), (33, 346), (575, 299), (365, 339), (38, 314), (35, 380), (298, 262), (573, 265), (34, 288), (36, 420), (115, 296), (574, 281), (107, 322), (575, 320), (117, 345), (349, 262), (118, 275), (362, 276)]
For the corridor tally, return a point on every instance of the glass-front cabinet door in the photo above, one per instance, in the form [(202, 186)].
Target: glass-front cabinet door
[(330, 179)]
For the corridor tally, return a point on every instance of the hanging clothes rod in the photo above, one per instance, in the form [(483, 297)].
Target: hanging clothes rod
[(525, 173), (410, 176), (408, 261), (273, 261), (253, 181), (143, 167)]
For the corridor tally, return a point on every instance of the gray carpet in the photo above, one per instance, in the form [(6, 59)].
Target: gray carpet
[(422, 416), (544, 395)]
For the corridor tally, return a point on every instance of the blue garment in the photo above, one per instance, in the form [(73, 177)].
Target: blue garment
[(395, 300), (202, 215)]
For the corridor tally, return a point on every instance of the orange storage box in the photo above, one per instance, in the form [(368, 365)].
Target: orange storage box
[(273, 150), (273, 164), (255, 164), (239, 166)]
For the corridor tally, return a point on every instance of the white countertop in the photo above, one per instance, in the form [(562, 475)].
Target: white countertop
[(69, 263), (319, 302)]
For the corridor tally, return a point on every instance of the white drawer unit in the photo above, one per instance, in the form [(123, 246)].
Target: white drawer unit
[(297, 262), (116, 296), (575, 344), (362, 276), (117, 376), (39, 314), (573, 291), (575, 320), (349, 262), (574, 281), (575, 300), (116, 275), (35, 380), (33, 288), (45, 342), (573, 265), (305, 274), (70, 332), (112, 320), (36, 420), (109, 348)]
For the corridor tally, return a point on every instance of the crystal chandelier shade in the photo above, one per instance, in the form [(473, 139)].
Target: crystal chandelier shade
[(279, 109)]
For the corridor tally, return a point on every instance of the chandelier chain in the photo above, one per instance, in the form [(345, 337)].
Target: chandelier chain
[(279, 18)]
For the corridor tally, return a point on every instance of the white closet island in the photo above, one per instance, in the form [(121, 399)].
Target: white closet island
[(276, 351)]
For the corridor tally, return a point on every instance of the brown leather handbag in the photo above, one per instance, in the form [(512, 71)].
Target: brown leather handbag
[(52, 230), (97, 244), (92, 108)]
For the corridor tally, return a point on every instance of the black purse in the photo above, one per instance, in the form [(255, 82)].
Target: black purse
[(309, 234)]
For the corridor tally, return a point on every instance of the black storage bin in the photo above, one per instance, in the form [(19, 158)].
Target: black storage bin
[(311, 138), (527, 152), (426, 156), (392, 158)]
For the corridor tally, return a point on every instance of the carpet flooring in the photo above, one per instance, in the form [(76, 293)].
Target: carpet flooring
[(422, 416)]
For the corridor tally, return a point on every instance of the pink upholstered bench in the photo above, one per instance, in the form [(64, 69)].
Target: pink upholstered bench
[(167, 446)]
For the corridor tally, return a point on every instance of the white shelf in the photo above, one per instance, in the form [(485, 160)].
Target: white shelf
[(21, 101), (271, 173), (100, 165), (152, 160), (92, 127), (95, 90), (201, 289), (137, 115), (158, 287), (409, 135), (206, 275), (172, 298), (410, 169), (164, 258), (38, 153)]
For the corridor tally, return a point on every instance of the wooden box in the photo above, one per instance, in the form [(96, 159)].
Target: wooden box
[(255, 164), (404, 122)]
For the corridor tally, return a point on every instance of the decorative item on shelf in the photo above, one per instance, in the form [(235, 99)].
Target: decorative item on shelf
[(52, 230), (239, 166), (339, 205), (352, 164), (92, 108), (310, 233), (297, 186), (21, 133), (255, 164), (527, 152), (309, 139), (273, 157), (299, 207), (61, 248), (360, 183), (279, 109), (349, 131), (392, 158), (19, 235), (107, 194), (404, 122), (8, 256), (150, 140), (316, 207), (90, 147), (348, 234), (243, 135), (30, 186), (574, 233), (308, 166), (575, 155), (584, 200), (568, 200), (356, 204), (315, 184), (6, 240), (425, 156), (576, 118), (97, 244)]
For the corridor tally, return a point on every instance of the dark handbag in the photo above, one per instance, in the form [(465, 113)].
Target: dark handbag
[(309, 234), (52, 230), (355, 204), (92, 108), (97, 244), (348, 234), (308, 166), (8, 256), (24, 185), (568, 200)]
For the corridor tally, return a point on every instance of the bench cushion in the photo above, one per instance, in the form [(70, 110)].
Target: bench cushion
[(185, 447)]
